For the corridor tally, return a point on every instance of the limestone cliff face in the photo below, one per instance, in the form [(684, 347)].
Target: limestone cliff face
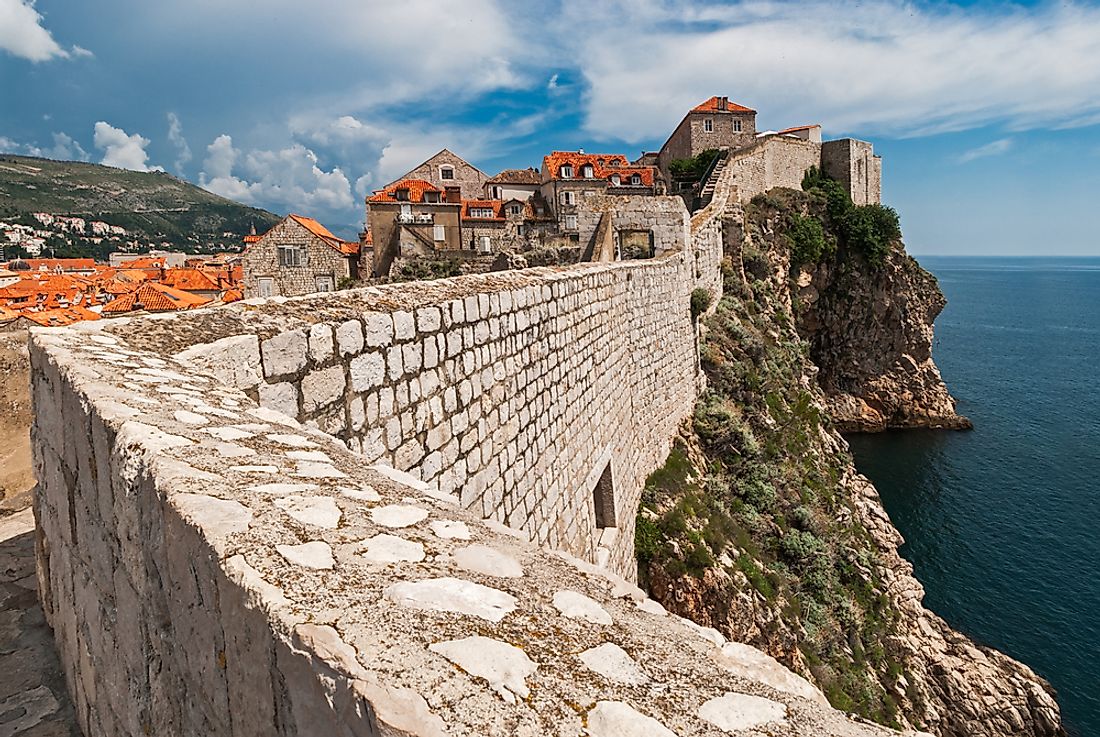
[(761, 527), (870, 335)]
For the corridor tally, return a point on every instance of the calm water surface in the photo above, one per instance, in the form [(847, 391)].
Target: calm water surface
[(1003, 523)]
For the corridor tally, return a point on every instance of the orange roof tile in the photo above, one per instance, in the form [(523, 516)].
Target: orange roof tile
[(190, 280), (497, 207), (143, 262), (416, 187), (155, 297), (232, 295), (60, 317), (712, 106), (52, 264), (798, 128), (604, 166), (345, 247)]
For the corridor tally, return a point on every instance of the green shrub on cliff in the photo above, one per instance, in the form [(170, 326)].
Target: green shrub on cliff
[(809, 243), (866, 229)]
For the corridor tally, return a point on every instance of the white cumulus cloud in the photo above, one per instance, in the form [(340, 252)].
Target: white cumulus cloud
[(175, 137), (64, 148), (894, 68), (22, 33), (288, 179), (121, 149)]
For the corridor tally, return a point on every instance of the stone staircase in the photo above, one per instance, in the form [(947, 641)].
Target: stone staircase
[(707, 193)]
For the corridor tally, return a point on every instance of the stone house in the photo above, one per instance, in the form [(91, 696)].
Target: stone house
[(297, 256), (413, 218), (446, 170), (571, 177), (715, 123), (519, 184)]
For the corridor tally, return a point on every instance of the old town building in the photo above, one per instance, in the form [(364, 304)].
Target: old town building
[(298, 256)]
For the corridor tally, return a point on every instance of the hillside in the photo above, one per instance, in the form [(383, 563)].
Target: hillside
[(153, 207)]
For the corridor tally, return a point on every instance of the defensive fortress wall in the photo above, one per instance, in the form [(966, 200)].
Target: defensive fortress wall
[(226, 547)]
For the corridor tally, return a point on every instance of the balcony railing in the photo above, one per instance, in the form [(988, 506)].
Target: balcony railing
[(416, 217)]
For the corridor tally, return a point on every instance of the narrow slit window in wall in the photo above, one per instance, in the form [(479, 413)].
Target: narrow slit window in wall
[(603, 495)]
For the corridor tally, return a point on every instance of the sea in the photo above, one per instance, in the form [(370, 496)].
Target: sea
[(1002, 523)]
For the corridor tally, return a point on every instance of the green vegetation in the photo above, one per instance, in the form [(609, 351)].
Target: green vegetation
[(866, 229), (152, 206), (422, 269), (700, 301), (809, 243), (765, 503), (693, 169)]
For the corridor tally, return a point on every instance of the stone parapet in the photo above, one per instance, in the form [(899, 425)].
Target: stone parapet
[(213, 567)]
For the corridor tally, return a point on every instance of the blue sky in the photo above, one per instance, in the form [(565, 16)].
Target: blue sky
[(987, 114)]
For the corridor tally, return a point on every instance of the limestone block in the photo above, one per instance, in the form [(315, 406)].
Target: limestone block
[(367, 371), (428, 319), (234, 360), (284, 354), (322, 387), (404, 326), (282, 397), (349, 337), (320, 343), (378, 329)]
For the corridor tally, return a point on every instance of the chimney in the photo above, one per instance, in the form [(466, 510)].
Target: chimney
[(723, 103), (454, 195)]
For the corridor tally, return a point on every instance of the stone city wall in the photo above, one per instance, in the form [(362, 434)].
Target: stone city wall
[(776, 161), (213, 567), (515, 390)]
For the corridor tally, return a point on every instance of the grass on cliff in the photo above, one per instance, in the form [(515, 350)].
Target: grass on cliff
[(766, 508)]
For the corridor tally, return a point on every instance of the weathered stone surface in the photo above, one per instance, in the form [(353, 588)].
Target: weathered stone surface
[(504, 666), (616, 719), (578, 606), (453, 595), (734, 712), (489, 561), (272, 625), (316, 554), (614, 664)]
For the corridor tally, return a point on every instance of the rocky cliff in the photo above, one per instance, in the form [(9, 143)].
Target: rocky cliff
[(870, 335), (759, 524)]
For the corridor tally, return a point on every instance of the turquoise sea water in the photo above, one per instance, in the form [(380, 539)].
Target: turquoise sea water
[(1003, 523)]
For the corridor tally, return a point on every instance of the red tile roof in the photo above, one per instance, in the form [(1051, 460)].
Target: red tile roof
[(143, 262), (155, 297), (712, 105), (345, 247), (191, 280), (604, 166), (232, 295), (497, 207), (53, 264), (59, 317), (798, 128), (416, 187)]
